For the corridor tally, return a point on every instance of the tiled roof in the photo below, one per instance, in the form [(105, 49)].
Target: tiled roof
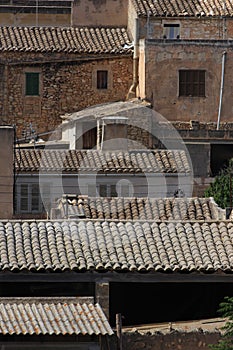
[(51, 316), (116, 246), (152, 161), (174, 8), (64, 39), (120, 208)]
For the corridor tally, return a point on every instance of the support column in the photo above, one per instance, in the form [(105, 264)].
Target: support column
[(102, 296)]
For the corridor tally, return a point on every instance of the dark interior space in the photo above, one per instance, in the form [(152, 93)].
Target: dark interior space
[(141, 303), (220, 156), (51, 289)]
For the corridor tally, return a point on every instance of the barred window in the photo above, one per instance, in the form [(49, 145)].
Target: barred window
[(192, 83)]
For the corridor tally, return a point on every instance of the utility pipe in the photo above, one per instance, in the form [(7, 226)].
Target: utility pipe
[(221, 89), (133, 87)]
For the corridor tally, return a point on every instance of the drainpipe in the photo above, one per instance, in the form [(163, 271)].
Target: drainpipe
[(221, 88), (133, 87)]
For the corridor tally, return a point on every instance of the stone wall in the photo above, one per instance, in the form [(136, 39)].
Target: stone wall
[(174, 340), (6, 172), (190, 28), (65, 87)]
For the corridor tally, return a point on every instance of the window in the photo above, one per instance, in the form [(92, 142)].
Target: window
[(32, 84), (102, 190), (90, 138), (107, 191), (192, 83), (171, 31), (102, 79), (28, 199)]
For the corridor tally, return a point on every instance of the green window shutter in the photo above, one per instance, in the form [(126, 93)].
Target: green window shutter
[(32, 84)]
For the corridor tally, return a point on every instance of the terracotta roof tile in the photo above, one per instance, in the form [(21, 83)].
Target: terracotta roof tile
[(151, 161), (122, 208), (51, 316), (106, 246), (66, 39), (181, 8)]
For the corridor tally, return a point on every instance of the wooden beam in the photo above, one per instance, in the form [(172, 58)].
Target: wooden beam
[(105, 277)]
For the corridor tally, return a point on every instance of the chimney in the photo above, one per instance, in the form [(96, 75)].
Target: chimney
[(114, 133), (6, 171)]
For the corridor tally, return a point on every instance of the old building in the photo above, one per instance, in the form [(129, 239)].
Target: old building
[(53, 323), (43, 176), (49, 71), (187, 48), (36, 12)]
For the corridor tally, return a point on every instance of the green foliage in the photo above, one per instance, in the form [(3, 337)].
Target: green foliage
[(226, 311), (220, 188)]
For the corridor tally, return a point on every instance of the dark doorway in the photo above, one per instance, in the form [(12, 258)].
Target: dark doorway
[(141, 303), (220, 156)]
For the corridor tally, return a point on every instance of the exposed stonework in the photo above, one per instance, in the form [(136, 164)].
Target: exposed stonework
[(174, 340), (66, 87)]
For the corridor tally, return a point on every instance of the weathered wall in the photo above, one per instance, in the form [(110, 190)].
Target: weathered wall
[(65, 87), (6, 172), (173, 340), (163, 62), (190, 28), (30, 19), (100, 12)]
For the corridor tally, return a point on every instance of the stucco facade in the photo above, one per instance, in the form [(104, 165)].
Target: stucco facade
[(199, 44), (100, 12), (164, 60)]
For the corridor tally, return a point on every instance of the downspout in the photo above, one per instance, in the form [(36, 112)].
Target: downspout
[(221, 88), (133, 87)]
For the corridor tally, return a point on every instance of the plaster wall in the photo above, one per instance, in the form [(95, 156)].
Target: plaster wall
[(30, 19), (100, 13), (163, 62)]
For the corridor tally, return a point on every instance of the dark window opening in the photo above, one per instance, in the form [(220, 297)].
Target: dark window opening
[(219, 157), (32, 84), (90, 138), (106, 190), (192, 83), (102, 79)]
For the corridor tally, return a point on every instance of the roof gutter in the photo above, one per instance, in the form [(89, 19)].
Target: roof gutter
[(133, 87)]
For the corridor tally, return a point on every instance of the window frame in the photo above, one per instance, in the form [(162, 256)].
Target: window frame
[(192, 83), (102, 79), (106, 68), (170, 28), (32, 194)]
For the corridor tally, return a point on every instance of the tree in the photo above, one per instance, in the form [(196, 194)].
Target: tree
[(220, 189), (226, 311)]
